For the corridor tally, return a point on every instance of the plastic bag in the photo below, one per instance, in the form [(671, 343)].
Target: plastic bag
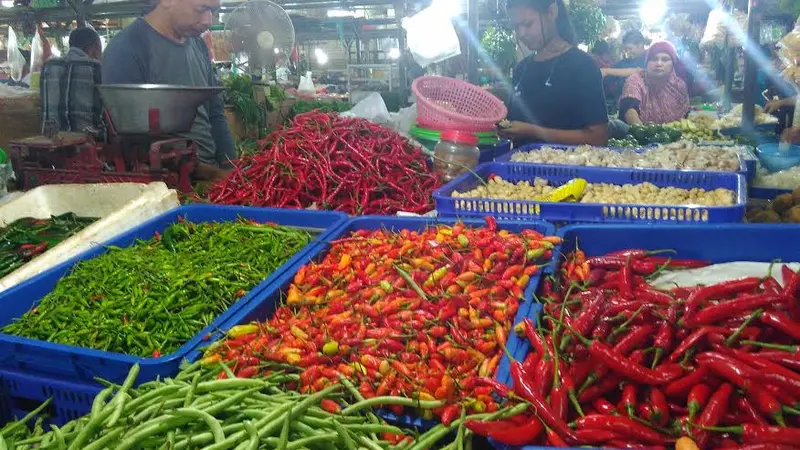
[(431, 37), (719, 273), (306, 84), (720, 23), (40, 50), (16, 61), (372, 107), (6, 175)]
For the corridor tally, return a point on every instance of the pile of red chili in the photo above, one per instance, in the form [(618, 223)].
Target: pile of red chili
[(623, 365), (422, 314), (332, 162)]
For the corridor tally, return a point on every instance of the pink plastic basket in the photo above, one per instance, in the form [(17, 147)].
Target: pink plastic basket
[(449, 104)]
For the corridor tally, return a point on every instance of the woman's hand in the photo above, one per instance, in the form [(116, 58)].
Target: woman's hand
[(791, 135), (519, 130)]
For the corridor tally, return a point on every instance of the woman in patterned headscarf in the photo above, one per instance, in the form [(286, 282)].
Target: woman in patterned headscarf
[(660, 93)]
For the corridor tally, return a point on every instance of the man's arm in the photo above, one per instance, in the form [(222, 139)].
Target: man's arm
[(223, 140), (592, 134), (220, 131)]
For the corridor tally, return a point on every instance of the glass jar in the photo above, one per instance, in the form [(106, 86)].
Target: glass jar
[(455, 152)]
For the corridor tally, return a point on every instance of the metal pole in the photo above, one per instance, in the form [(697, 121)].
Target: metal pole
[(728, 54), (472, 52), (402, 85), (750, 65)]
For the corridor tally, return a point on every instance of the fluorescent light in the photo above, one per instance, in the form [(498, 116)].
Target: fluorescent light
[(7, 3), (277, 51), (653, 11), (394, 53), (340, 13), (322, 58)]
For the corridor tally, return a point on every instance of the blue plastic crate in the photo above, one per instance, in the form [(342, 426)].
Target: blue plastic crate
[(766, 193), (491, 153), (715, 243), (21, 393), (266, 301), (593, 212), (746, 167), (66, 362)]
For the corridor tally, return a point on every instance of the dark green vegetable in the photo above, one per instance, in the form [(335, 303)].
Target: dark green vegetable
[(627, 142), (25, 239), (152, 297), (654, 134), (304, 106)]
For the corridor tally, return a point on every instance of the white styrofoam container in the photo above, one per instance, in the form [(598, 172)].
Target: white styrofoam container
[(85, 200), (119, 207)]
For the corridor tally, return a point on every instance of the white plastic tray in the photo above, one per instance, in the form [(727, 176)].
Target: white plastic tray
[(119, 207)]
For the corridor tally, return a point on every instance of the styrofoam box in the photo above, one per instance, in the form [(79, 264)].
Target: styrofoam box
[(118, 206)]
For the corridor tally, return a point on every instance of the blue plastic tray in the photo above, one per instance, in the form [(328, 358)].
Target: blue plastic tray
[(762, 243), (265, 303), (71, 363), (22, 393), (593, 212)]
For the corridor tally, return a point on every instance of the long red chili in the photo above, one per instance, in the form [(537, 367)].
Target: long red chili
[(724, 310), (714, 410), (540, 406), (719, 290), (697, 398), (624, 426), (754, 433), (781, 322)]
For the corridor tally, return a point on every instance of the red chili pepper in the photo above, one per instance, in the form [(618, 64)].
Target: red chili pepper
[(698, 396), (450, 413), (683, 385), (752, 433), (660, 407), (543, 411), (629, 398), (534, 337), (662, 341), (713, 412), (518, 435), (330, 406), (724, 310), (626, 281), (719, 290), (768, 370), (596, 436), (623, 426), (624, 366), (747, 409), (687, 343), (790, 360), (781, 322), (604, 406), (543, 376)]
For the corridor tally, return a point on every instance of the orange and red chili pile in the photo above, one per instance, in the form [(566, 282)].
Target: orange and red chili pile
[(422, 314), (332, 162), (620, 364)]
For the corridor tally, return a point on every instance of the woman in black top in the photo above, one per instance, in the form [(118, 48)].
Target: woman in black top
[(558, 91)]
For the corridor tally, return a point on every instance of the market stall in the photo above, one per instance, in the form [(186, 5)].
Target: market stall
[(406, 280)]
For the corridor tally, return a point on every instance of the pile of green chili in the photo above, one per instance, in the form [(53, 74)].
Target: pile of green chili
[(197, 410), (27, 238), (150, 298)]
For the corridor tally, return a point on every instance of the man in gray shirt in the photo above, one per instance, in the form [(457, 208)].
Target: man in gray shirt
[(165, 48)]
